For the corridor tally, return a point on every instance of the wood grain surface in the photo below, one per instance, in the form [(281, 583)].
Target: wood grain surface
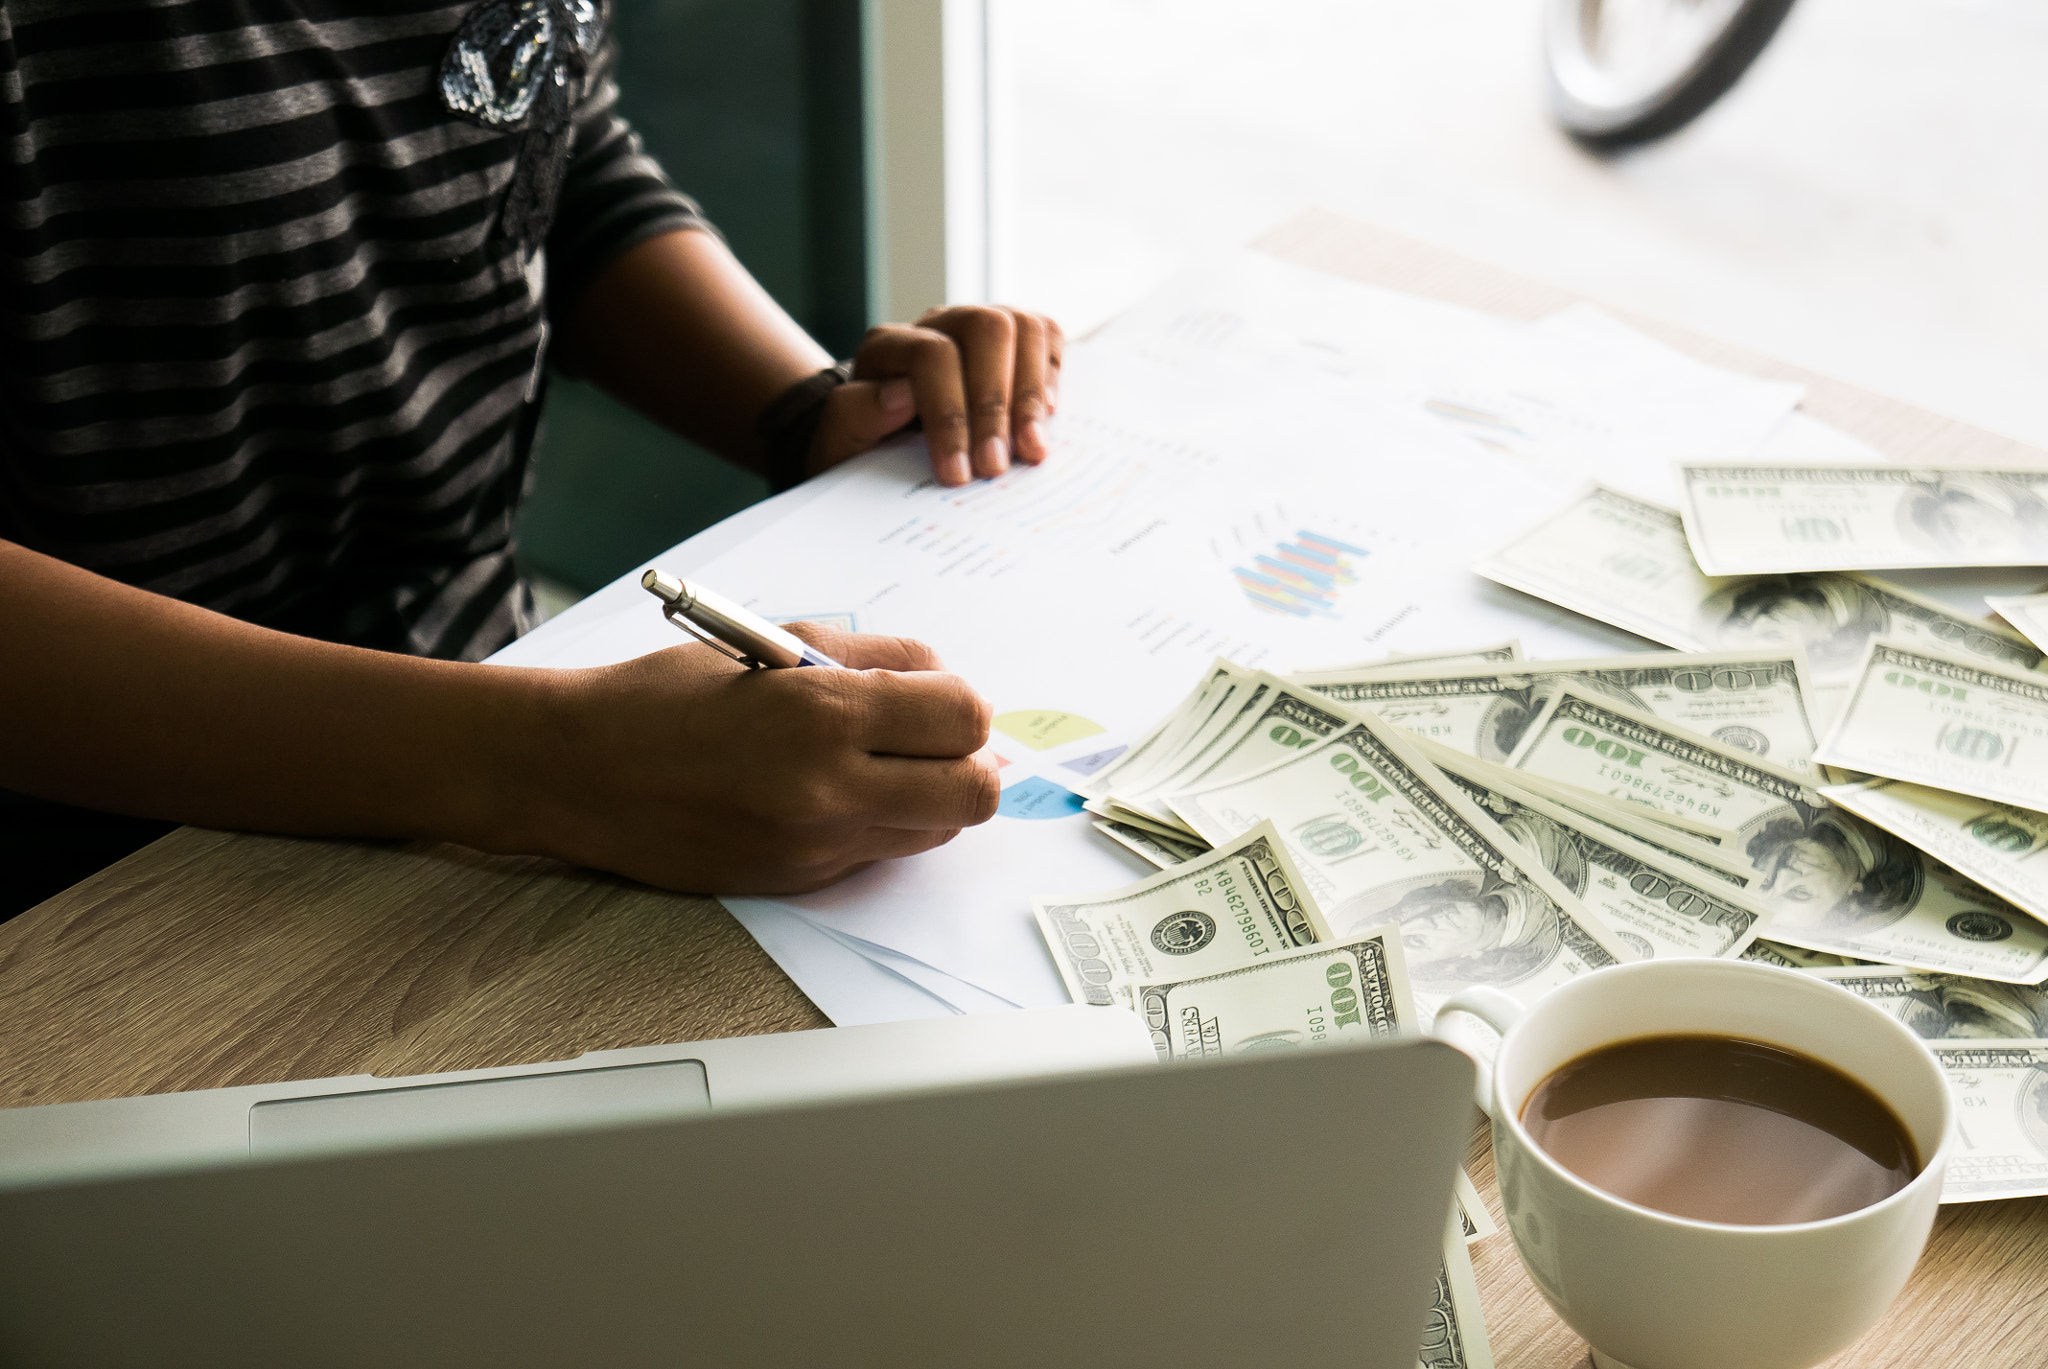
[(212, 958)]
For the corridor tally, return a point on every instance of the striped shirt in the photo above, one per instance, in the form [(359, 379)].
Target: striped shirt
[(278, 275)]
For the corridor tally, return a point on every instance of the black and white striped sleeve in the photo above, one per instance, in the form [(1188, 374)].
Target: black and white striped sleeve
[(614, 195)]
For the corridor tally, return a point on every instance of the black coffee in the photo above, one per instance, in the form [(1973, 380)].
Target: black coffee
[(1722, 1130)]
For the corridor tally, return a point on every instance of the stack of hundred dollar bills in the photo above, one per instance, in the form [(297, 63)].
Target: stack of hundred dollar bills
[(1829, 773)]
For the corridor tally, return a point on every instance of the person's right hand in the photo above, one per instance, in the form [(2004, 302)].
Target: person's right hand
[(686, 771)]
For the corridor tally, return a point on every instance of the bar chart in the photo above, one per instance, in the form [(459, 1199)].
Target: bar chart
[(1302, 576)]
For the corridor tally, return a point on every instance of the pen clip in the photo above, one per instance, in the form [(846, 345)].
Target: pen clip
[(674, 615)]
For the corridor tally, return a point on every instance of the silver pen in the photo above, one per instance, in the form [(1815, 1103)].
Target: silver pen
[(719, 623)]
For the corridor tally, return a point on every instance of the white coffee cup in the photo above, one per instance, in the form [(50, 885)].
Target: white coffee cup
[(1656, 1291)]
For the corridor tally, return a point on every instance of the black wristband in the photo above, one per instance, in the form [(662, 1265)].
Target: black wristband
[(790, 423)]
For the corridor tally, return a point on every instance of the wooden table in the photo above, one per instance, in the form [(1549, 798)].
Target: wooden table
[(211, 958)]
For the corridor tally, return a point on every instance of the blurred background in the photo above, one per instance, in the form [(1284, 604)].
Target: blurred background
[(1868, 201)]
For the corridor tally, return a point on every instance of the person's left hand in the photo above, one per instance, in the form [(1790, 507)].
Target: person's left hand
[(982, 377)]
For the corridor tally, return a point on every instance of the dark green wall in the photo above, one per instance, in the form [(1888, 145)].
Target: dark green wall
[(753, 106)]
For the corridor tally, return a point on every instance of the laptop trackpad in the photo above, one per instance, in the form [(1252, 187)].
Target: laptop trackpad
[(479, 1107)]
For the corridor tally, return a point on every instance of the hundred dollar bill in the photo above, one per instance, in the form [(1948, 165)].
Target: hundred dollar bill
[(1288, 719), (1948, 1007), (1381, 835), (1510, 650), (1111, 811), (1681, 846), (1694, 844), (1745, 519), (1163, 852), (1796, 957), (1594, 744), (2027, 612), (1658, 906), (1280, 720), (1238, 693), (1475, 1223), (1243, 704), (1752, 701), (1206, 705), (1224, 705), (1665, 841), (1831, 881), (2000, 845), (1936, 719), (1626, 561), (1234, 721), (1318, 995), (1133, 753), (1236, 906), (1454, 1333), (2001, 1095)]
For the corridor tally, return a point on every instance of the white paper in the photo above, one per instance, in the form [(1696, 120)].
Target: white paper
[(1100, 587), (956, 994), (1201, 458), (1802, 437), (847, 987)]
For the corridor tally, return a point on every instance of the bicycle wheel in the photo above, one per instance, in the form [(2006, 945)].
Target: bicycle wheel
[(1624, 72)]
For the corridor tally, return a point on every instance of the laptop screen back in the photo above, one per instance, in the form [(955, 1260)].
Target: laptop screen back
[(1253, 1211), (478, 1107)]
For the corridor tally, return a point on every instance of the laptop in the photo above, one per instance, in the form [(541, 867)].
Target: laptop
[(1013, 1189)]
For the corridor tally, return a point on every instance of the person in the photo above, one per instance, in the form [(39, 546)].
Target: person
[(282, 297)]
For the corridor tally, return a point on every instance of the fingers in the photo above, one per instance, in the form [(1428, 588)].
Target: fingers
[(1030, 392), (857, 415), (984, 379), (867, 650), (928, 714), (932, 362), (1055, 358), (929, 795), (986, 339)]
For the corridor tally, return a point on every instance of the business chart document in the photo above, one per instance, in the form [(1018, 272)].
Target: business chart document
[(1204, 454)]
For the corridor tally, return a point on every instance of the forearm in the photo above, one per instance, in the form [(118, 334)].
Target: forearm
[(678, 329), (135, 703), (677, 767)]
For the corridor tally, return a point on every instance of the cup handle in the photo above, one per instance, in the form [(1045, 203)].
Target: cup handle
[(1497, 1010)]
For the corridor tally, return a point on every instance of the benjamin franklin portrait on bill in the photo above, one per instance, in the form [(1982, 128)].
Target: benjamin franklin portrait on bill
[(1465, 930), (1976, 512), (1960, 1009), (2033, 1106), (1832, 616), (1561, 850), (1507, 718), (1828, 871)]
